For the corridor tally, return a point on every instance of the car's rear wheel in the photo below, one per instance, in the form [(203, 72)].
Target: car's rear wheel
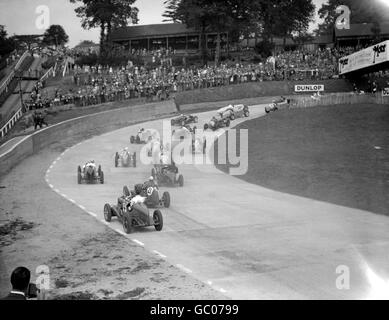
[(228, 123), (181, 180), (102, 177), (127, 224), (116, 159), (99, 170), (79, 177), (134, 160), (107, 212), (166, 199), (196, 119), (246, 113), (132, 139), (158, 220), (232, 116), (206, 126), (137, 139), (79, 169), (126, 192)]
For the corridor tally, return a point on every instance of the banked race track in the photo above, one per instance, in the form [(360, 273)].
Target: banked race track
[(245, 241)]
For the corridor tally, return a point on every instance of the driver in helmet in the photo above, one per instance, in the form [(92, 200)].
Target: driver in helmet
[(141, 130), (137, 198), (150, 183)]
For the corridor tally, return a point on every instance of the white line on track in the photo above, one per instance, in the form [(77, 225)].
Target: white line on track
[(54, 162), (56, 190), (185, 269), (120, 232), (59, 158), (92, 214), (81, 207), (64, 195), (222, 290), (105, 222), (51, 186), (72, 201), (138, 242), (209, 282), (159, 254)]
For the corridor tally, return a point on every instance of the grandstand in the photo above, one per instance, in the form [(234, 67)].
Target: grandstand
[(176, 36)]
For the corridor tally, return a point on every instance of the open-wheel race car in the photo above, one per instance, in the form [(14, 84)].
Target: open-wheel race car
[(183, 120), (133, 213), (217, 122), (167, 174), (125, 158), (276, 104), (144, 135), (151, 194), (90, 174), (234, 111)]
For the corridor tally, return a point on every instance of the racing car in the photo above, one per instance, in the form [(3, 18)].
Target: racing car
[(143, 136), (125, 158), (237, 111), (151, 193), (167, 175), (183, 120), (276, 104), (133, 215), (217, 122), (89, 174)]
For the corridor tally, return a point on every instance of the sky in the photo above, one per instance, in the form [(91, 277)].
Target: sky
[(29, 17)]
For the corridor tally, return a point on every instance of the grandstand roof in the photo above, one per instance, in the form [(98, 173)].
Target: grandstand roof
[(361, 30), (152, 31)]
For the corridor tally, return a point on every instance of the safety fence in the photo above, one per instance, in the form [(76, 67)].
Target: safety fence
[(339, 98), (5, 83), (11, 122)]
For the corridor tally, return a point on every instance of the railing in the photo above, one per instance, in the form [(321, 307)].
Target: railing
[(11, 122), (9, 78), (47, 74)]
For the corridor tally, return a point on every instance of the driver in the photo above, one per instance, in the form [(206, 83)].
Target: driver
[(137, 198), (151, 183), (141, 130)]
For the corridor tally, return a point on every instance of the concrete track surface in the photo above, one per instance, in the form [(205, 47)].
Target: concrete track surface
[(246, 241)]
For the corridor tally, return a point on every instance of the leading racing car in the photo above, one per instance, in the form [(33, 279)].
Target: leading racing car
[(89, 173), (132, 212), (276, 104)]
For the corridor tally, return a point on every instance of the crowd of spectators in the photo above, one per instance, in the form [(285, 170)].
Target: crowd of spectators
[(100, 84)]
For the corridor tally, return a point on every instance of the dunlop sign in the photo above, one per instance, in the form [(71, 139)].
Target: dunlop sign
[(309, 87)]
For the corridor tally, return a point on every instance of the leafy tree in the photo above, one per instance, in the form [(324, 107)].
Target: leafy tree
[(55, 35), (209, 15), (7, 45), (106, 15)]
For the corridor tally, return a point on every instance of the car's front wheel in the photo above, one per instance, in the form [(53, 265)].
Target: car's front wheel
[(107, 212), (158, 220), (127, 224)]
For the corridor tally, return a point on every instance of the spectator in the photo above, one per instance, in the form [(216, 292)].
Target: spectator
[(20, 280)]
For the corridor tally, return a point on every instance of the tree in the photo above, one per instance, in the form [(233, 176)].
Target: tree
[(55, 35), (361, 11), (7, 45), (106, 15), (292, 16), (217, 16)]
